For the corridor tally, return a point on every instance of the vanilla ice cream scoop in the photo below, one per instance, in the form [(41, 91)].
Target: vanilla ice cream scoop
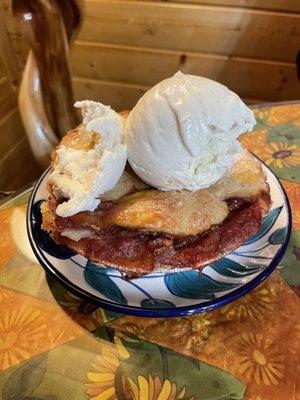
[(182, 134), (92, 163)]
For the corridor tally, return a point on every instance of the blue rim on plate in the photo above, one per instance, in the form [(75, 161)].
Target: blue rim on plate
[(168, 311)]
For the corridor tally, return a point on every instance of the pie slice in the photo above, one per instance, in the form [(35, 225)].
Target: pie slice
[(138, 229)]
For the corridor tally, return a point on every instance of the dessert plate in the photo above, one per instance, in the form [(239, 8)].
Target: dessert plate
[(166, 294)]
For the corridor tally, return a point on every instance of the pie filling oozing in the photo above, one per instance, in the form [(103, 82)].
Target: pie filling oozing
[(139, 230)]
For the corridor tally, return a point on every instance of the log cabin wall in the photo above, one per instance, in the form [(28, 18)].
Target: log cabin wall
[(17, 164), (126, 46)]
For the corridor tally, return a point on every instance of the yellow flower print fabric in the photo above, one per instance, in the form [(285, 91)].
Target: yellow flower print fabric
[(276, 140)]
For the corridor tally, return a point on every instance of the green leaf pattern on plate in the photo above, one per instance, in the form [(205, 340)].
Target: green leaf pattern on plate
[(267, 223), (99, 279), (232, 269), (194, 285)]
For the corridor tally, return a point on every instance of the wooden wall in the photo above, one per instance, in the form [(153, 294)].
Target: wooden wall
[(126, 46), (17, 165)]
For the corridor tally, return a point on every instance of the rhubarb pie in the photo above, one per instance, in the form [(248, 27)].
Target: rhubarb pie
[(138, 229), (108, 202)]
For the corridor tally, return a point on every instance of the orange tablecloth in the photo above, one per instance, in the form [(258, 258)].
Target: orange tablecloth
[(55, 346)]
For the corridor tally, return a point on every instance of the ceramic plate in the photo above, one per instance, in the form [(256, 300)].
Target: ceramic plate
[(170, 294)]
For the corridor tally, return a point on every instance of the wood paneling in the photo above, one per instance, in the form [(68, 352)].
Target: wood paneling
[(17, 164), (18, 167), (9, 57), (7, 98), (11, 131), (250, 78), (275, 5), (146, 67), (119, 95), (2, 69), (197, 28), (141, 42), (209, 28)]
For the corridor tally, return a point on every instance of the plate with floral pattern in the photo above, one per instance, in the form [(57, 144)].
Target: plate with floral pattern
[(166, 294)]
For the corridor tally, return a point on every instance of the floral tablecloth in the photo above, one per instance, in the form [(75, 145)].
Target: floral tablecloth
[(56, 346)]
